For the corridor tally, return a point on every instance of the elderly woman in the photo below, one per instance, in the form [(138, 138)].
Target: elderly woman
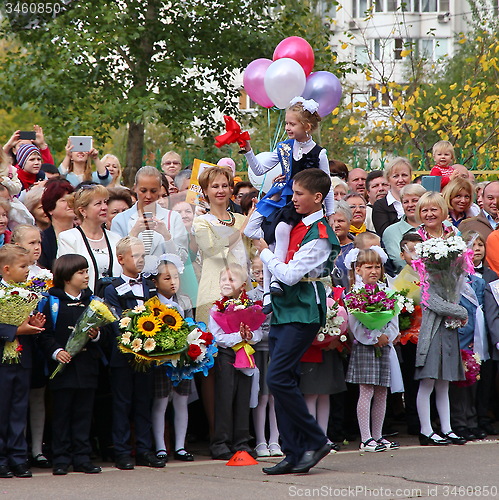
[(33, 202), (171, 164), (160, 229), (357, 204), (90, 239), (341, 226), (458, 194), (119, 200), (60, 212), (432, 213), (438, 356), (389, 209), (409, 196)]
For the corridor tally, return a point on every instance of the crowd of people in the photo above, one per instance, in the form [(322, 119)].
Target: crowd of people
[(359, 228)]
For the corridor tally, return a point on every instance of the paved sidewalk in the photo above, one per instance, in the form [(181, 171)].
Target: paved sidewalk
[(469, 471)]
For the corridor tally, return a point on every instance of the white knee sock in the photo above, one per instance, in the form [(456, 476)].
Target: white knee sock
[(274, 431), (159, 406), (37, 419), (259, 418), (181, 419), (426, 386), (323, 411), (311, 401)]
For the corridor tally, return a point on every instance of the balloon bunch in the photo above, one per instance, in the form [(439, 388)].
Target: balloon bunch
[(275, 83)]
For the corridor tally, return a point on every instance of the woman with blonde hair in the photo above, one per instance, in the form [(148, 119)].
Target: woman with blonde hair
[(458, 194), (113, 166), (389, 210), (90, 239)]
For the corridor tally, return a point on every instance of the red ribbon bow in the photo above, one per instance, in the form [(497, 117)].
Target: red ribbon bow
[(232, 135)]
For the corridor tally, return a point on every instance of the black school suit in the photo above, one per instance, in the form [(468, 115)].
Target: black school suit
[(132, 390), (14, 397), (73, 389)]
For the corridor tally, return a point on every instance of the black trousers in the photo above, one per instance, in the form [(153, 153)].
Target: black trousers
[(298, 429), (71, 422), (132, 401)]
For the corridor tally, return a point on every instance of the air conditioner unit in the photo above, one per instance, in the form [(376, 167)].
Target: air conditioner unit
[(444, 18), (352, 25)]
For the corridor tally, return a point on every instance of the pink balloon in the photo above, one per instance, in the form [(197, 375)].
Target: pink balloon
[(253, 82), (298, 49)]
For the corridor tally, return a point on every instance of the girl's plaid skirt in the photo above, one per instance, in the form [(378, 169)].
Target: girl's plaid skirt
[(366, 368), (163, 386)]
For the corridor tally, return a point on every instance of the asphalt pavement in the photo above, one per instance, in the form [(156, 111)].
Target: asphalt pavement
[(413, 471)]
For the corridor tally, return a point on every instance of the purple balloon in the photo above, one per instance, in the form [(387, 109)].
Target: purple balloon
[(325, 88), (253, 82)]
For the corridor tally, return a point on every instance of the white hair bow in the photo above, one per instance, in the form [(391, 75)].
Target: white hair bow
[(309, 104), (352, 255), (152, 263)]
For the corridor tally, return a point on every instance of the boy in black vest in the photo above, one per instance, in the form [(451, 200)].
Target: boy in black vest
[(132, 390), (298, 315)]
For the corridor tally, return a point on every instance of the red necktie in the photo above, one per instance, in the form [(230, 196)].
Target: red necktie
[(295, 238)]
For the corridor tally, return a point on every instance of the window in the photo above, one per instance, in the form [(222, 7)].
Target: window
[(429, 5), (433, 48), (377, 49), (361, 54), (245, 101), (398, 47), (359, 8), (382, 97)]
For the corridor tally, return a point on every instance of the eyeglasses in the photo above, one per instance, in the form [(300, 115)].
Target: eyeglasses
[(360, 207), (172, 162), (86, 187)]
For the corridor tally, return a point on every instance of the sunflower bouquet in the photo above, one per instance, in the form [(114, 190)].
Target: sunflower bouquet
[(157, 334), (16, 304)]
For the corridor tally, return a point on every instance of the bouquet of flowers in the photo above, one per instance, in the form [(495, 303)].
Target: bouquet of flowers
[(409, 318), (157, 334), (372, 305), (16, 304), (471, 364), (199, 356), (443, 264), (229, 315), (96, 314), (336, 325), (40, 283)]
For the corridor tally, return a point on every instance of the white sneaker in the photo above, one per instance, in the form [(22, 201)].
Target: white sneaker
[(262, 450)]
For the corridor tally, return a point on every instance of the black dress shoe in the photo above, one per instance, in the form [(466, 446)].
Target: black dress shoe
[(60, 470), (149, 459), (41, 462), (183, 457), (455, 440), (87, 468), (5, 473), (124, 463), (21, 470), (478, 433), (311, 458), (282, 467), (489, 429), (465, 433), (432, 441)]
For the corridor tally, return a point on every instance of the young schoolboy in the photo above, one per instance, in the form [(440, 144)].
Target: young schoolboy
[(297, 317), (15, 377), (132, 390), (232, 386)]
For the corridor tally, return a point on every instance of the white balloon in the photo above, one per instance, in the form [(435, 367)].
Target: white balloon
[(283, 80), (266, 179)]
